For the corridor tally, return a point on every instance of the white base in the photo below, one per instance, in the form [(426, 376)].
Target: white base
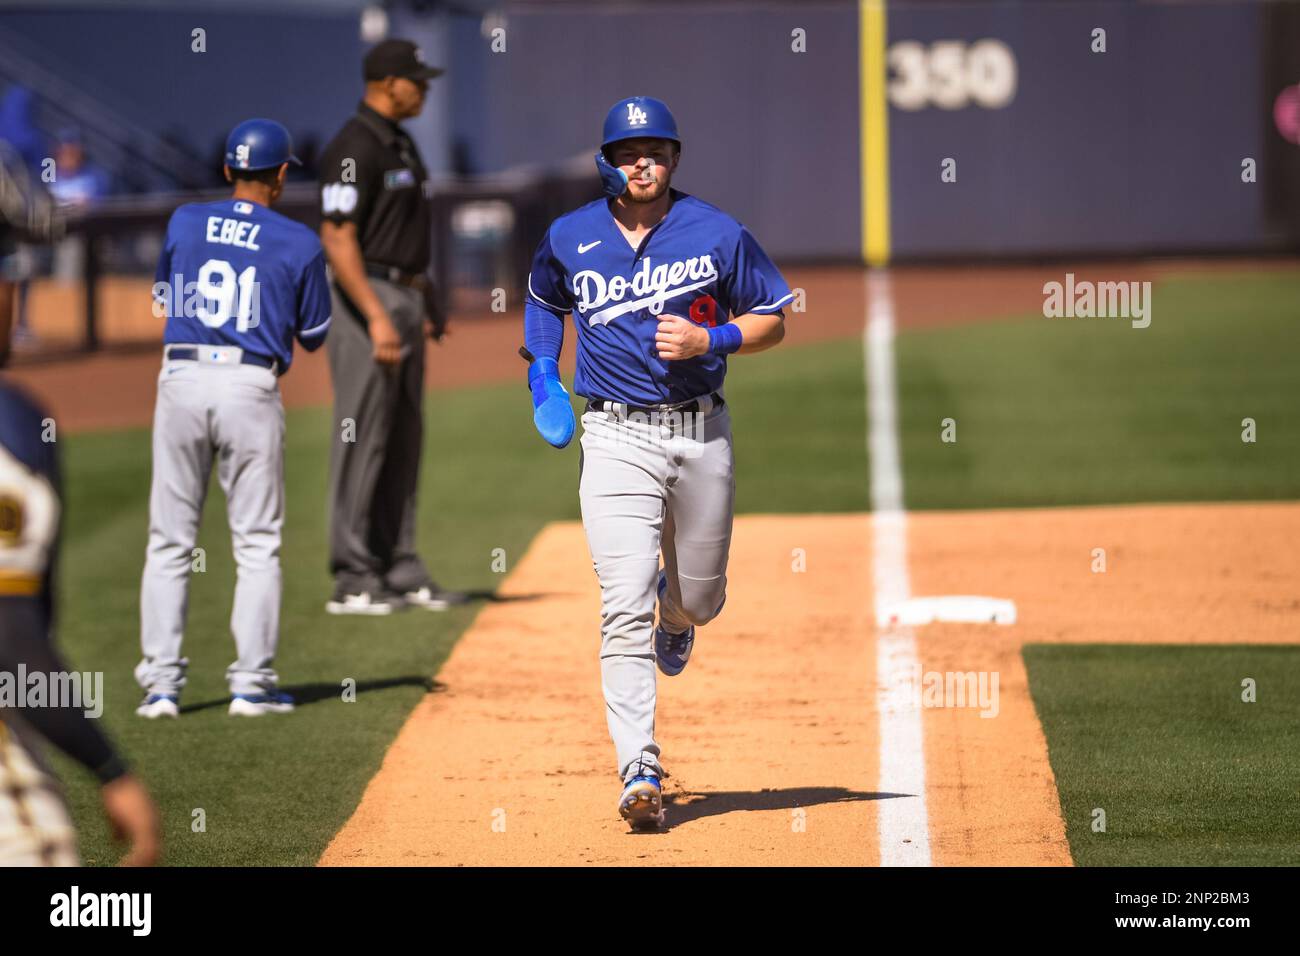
[(952, 608)]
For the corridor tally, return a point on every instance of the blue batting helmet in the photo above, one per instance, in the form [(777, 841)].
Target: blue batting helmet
[(639, 116), (259, 144)]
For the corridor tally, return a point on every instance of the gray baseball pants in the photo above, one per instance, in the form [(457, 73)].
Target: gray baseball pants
[(650, 489), (231, 415), (375, 454)]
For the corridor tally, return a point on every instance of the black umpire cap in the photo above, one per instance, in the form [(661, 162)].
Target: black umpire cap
[(398, 58)]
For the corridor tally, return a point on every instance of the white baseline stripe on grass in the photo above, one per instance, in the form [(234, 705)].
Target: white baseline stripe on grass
[(904, 820)]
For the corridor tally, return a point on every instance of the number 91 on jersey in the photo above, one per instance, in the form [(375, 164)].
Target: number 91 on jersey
[(214, 298)]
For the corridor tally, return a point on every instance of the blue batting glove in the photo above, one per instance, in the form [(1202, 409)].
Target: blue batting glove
[(613, 179), (552, 413)]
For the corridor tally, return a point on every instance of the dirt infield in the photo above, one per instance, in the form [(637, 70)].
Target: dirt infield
[(1186, 574), (775, 714), (767, 736)]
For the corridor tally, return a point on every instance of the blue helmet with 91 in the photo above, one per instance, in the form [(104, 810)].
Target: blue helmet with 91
[(259, 144)]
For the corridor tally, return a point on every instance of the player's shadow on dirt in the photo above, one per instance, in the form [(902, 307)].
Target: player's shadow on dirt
[(493, 598), (685, 807), (304, 694)]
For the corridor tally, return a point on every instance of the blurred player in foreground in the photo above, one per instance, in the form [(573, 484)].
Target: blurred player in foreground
[(34, 826)]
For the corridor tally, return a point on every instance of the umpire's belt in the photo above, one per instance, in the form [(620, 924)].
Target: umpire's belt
[(412, 280), (704, 404), (217, 355)]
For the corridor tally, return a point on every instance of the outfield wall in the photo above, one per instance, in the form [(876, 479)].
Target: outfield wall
[(1058, 149), (769, 135), (1136, 148)]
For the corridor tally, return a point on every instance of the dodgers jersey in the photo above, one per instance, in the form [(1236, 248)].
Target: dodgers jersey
[(616, 294), (237, 273)]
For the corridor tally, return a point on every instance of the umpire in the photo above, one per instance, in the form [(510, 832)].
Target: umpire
[(376, 229)]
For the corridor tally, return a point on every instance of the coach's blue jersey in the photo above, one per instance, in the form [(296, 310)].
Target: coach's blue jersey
[(237, 273), (696, 263)]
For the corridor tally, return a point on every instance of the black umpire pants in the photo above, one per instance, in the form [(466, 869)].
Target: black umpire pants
[(375, 453)]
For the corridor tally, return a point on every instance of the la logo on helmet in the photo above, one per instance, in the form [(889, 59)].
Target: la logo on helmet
[(635, 115)]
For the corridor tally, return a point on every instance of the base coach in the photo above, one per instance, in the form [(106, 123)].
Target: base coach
[(376, 229)]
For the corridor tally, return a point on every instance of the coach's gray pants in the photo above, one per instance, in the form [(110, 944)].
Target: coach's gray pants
[(375, 449), (231, 414), (645, 489)]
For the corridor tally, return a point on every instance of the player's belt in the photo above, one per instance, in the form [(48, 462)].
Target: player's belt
[(413, 280), (195, 353), (622, 409)]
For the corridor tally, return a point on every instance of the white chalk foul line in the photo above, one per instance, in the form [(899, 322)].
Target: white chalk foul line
[(904, 820)]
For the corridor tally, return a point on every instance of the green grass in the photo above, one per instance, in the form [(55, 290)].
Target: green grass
[(1086, 411), (1159, 738), (798, 418), (276, 790)]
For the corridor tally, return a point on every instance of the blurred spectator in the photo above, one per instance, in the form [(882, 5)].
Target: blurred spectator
[(21, 261), (18, 129), (77, 183), (28, 218)]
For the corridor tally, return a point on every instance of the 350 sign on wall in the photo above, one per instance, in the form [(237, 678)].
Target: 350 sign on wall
[(951, 74)]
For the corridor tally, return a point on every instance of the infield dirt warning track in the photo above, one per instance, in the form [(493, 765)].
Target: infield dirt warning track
[(768, 735), (771, 733)]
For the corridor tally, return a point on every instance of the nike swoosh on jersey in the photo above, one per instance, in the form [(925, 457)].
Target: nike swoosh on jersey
[(583, 247)]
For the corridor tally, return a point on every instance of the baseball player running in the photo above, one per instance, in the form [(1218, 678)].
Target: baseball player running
[(240, 283), (651, 276)]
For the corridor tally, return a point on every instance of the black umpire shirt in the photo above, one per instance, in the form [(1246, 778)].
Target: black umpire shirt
[(371, 174)]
